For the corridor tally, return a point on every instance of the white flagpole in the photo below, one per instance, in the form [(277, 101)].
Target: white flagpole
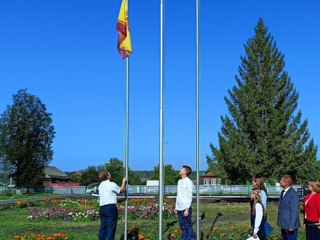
[(197, 117), (161, 124), (126, 155), (126, 149)]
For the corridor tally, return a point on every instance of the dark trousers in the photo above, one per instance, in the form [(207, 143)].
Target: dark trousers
[(287, 235), (108, 219), (186, 225), (312, 231)]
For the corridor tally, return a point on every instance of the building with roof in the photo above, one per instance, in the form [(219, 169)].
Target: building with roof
[(209, 178), (56, 178)]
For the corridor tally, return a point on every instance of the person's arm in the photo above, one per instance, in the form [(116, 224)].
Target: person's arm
[(294, 210), (189, 190), (264, 199), (258, 219), (123, 185), (318, 207)]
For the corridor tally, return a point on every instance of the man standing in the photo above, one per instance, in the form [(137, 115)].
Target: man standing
[(183, 203), (288, 214), (108, 205)]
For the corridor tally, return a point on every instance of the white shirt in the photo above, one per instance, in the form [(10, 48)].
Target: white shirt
[(108, 193), (285, 191), (258, 219), (184, 194)]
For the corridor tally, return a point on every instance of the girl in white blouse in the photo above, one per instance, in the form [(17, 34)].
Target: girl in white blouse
[(257, 215)]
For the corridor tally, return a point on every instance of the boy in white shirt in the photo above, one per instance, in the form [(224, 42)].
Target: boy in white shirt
[(183, 203)]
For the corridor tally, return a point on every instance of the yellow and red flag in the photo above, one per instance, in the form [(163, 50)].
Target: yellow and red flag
[(124, 40)]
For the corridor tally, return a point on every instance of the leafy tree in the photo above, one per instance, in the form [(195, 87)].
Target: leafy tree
[(264, 133), (74, 177), (26, 136), (4, 172), (117, 171), (171, 176), (90, 175), (134, 178)]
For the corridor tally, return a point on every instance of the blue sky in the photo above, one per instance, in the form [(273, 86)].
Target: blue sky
[(64, 52)]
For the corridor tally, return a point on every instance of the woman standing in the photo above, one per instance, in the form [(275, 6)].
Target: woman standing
[(311, 206), (108, 209), (257, 215), (258, 182)]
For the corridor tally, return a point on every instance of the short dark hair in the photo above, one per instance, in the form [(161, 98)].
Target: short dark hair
[(288, 178), (188, 169), (104, 175)]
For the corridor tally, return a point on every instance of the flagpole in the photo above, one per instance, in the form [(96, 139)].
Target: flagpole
[(197, 115), (161, 124), (125, 50), (126, 149), (125, 230)]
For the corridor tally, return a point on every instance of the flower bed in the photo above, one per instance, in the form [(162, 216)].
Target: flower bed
[(36, 236), (83, 215), (67, 210), (82, 210)]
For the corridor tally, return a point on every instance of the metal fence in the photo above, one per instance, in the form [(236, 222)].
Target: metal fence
[(69, 190), (169, 190), (205, 189)]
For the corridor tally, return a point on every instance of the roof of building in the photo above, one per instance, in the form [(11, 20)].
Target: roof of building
[(53, 172), (208, 174)]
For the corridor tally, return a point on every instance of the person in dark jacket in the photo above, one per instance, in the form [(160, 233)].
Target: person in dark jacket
[(288, 213)]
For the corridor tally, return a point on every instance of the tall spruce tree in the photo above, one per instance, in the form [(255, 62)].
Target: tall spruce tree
[(264, 134), (26, 137)]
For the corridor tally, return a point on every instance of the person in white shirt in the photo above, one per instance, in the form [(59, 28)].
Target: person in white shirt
[(257, 215), (183, 203), (108, 209)]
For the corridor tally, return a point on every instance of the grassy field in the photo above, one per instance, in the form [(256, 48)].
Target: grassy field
[(222, 217)]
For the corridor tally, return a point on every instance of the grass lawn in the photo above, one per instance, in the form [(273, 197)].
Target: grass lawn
[(219, 217)]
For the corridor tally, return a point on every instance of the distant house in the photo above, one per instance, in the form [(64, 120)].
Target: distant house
[(55, 177), (209, 178)]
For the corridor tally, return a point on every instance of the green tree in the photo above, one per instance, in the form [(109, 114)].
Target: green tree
[(90, 175), (26, 136), (117, 171), (74, 177), (264, 134), (4, 171), (171, 176)]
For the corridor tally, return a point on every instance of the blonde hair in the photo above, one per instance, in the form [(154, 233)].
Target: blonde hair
[(256, 191), (315, 185), (260, 182)]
